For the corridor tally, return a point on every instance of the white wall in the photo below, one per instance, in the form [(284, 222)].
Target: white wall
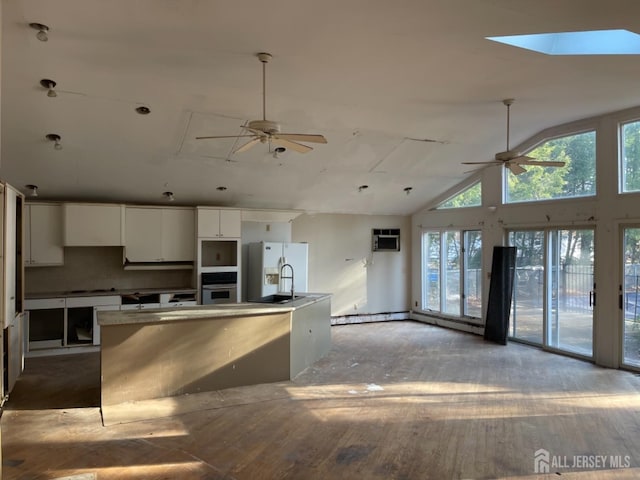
[(606, 212), (341, 262)]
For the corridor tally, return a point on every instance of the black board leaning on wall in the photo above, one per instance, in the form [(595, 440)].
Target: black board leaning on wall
[(503, 267)]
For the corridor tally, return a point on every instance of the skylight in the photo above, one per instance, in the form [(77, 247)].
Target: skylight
[(596, 42)]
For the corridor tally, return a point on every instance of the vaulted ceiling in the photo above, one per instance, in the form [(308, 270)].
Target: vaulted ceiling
[(374, 77)]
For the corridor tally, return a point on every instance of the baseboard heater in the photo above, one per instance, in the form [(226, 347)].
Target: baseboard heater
[(453, 323), (369, 318)]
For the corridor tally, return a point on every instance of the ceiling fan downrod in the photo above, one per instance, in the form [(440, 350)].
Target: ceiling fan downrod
[(264, 58), (508, 102)]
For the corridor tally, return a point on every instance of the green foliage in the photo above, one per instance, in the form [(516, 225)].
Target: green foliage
[(470, 197), (576, 179), (631, 157)]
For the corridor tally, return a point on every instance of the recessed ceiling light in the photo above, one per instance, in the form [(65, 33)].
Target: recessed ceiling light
[(49, 85), (34, 190), (594, 42), (169, 196), (142, 110), (55, 138), (42, 31)]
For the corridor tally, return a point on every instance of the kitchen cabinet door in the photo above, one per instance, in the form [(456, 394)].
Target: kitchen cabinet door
[(214, 223), (208, 222), (178, 235), (230, 223), (43, 235), (143, 234), (93, 225)]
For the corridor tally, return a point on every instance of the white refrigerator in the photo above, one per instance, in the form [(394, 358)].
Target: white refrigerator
[(265, 265)]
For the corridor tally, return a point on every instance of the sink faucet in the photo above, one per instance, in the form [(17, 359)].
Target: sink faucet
[(282, 277)]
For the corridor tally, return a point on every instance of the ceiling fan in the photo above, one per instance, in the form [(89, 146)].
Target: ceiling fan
[(512, 159), (267, 131)]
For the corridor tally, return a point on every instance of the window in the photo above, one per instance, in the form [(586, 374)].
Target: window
[(630, 157), (452, 272), (576, 179), (469, 197)]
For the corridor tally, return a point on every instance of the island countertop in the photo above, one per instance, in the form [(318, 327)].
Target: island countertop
[(159, 353), (159, 315)]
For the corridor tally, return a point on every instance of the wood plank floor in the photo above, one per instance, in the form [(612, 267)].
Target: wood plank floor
[(397, 400)]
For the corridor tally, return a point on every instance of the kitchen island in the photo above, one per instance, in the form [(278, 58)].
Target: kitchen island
[(152, 354)]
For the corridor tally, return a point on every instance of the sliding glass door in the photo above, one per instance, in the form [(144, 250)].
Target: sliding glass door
[(571, 295), (631, 297), (554, 293), (527, 314)]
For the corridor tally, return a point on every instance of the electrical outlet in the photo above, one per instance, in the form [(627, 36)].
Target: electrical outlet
[(355, 306)]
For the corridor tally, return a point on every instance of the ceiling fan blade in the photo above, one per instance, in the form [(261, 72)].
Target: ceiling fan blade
[(247, 146), (542, 163), (255, 131), (298, 147), (224, 136), (491, 162), (301, 137), (515, 168)]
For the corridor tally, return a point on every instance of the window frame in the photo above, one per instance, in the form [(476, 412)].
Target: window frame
[(443, 235), (549, 135)]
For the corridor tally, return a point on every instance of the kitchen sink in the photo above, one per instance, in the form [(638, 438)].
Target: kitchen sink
[(277, 298)]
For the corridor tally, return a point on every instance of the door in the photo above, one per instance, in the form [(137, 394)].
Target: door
[(630, 296), (178, 233), (571, 291), (143, 234), (271, 263), (297, 255), (554, 292)]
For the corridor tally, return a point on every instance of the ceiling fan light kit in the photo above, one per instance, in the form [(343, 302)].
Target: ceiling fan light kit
[(268, 131)]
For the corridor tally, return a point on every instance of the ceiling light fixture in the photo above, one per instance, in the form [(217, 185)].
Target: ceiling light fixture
[(142, 110), (49, 85), (407, 190), (362, 188), (169, 196), (34, 190), (221, 189), (42, 31), (55, 138), (277, 151)]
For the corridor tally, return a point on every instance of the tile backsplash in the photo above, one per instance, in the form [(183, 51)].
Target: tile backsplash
[(93, 268)]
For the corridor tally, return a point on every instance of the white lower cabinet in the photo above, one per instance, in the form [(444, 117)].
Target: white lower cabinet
[(58, 323), (45, 324)]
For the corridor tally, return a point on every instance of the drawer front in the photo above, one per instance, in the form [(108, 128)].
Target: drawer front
[(41, 303)]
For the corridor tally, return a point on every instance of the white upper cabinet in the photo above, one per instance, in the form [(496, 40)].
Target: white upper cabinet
[(178, 234), (142, 234), (93, 225), (159, 234), (43, 235), (213, 222)]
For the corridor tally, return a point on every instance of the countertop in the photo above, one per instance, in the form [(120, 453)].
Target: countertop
[(109, 292), (125, 317)]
